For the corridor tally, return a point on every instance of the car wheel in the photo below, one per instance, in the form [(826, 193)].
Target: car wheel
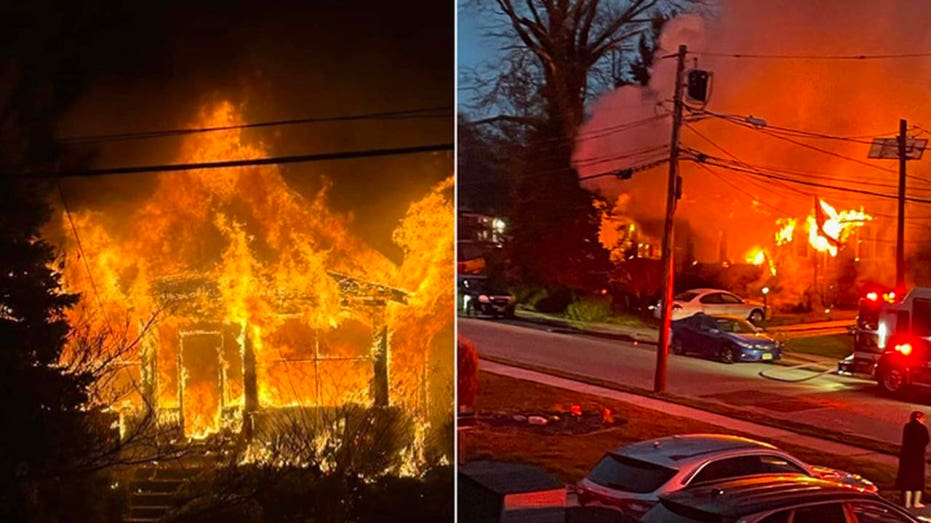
[(892, 381), (728, 354), (756, 316), (676, 345)]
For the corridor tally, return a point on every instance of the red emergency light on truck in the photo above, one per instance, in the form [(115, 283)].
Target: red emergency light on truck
[(866, 351), (903, 334)]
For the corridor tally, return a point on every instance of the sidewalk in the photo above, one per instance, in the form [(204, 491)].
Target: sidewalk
[(764, 432)]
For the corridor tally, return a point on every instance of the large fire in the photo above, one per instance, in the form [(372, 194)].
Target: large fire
[(835, 227), (260, 298)]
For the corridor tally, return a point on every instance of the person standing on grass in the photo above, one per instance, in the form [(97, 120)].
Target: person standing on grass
[(911, 476)]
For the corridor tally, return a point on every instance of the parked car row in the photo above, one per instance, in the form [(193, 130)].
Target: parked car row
[(713, 477)]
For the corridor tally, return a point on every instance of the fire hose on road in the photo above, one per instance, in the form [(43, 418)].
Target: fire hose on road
[(801, 366)]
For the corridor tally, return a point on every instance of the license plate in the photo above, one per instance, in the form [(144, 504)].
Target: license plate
[(767, 356)]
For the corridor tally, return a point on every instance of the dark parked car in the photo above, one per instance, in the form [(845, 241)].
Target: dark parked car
[(631, 478), (480, 297), (775, 499), (726, 338)]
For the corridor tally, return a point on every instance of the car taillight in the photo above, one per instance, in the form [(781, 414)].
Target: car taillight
[(904, 349), (872, 296)]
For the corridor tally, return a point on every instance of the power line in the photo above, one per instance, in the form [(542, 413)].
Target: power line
[(140, 135), (737, 188), (748, 121), (595, 160), (829, 177), (638, 168), (812, 56), (725, 151), (743, 122), (90, 275), (225, 164), (759, 173)]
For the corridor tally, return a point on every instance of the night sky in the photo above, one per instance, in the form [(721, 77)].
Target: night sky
[(149, 66)]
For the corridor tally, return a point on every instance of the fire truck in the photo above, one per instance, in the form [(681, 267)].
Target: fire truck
[(903, 335), (866, 351)]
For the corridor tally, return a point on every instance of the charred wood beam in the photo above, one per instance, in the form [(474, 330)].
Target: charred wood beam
[(380, 363), (355, 288), (250, 387)]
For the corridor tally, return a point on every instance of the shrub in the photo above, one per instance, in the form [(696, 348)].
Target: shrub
[(529, 295), (590, 309), (467, 380), (555, 301)]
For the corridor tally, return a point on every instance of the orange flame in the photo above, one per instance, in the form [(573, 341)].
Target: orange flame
[(235, 258), (836, 229)]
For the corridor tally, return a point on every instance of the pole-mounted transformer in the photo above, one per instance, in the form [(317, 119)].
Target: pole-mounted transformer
[(698, 82)]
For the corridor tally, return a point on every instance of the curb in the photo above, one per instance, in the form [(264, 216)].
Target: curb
[(865, 443)]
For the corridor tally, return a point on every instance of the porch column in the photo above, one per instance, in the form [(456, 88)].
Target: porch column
[(250, 386), (379, 387)]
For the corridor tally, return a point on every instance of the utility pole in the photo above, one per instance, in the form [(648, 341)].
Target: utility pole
[(900, 233), (673, 191), (903, 148)]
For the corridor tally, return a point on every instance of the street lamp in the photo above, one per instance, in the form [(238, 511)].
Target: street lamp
[(765, 291)]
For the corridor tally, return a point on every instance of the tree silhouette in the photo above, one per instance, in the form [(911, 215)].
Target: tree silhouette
[(560, 54)]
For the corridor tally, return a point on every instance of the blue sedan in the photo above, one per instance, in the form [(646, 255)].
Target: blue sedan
[(725, 338)]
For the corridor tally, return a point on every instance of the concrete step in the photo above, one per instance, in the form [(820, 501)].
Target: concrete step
[(156, 513), (156, 486), (166, 472), (148, 499)]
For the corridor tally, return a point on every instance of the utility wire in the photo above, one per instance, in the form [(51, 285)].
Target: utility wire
[(812, 56), (225, 164), (759, 173), (638, 168), (737, 188), (746, 121), (90, 275), (827, 177), (596, 160), (765, 130), (725, 151), (431, 112)]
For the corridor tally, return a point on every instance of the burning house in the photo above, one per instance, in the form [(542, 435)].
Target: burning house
[(226, 296), (753, 206)]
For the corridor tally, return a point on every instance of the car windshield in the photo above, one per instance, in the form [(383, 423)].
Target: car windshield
[(735, 325), (629, 475), (685, 296)]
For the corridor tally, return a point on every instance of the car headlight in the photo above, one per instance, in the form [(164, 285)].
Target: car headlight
[(746, 345), (483, 299)]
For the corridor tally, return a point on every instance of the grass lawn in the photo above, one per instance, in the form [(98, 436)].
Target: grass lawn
[(779, 319), (569, 458), (832, 345)]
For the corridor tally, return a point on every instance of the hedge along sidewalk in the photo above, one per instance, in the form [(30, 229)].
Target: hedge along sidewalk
[(765, 432)]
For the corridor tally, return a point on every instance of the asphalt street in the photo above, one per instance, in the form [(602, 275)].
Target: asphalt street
[(842, 404)]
